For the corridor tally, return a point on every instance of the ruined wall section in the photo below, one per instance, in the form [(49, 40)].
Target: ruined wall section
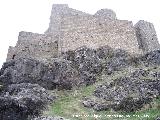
[(146, 36), (60, 11), (93, 33), (33, 45), (106, 14)]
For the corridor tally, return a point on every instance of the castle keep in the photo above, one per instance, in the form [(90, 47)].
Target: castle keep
[(70, 29)]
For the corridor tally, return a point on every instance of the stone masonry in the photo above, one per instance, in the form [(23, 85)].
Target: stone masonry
[(33, 45), (93, 33), (146, 36), (70, 29)]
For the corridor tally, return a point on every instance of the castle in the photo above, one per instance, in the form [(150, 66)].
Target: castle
[(70, 29)]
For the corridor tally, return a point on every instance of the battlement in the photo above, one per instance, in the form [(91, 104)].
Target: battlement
[(70, 29)]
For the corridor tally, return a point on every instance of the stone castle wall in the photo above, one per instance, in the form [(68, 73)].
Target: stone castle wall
[(60, 11), (33, 45), (106, 14), (70, 29), (146, 36), (94, 32)]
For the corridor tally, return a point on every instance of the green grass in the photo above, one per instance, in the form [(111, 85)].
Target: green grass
[(69, 104)]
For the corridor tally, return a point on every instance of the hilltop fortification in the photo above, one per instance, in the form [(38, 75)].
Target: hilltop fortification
[(70, 29)]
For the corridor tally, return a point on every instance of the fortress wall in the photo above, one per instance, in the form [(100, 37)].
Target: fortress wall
[(11, 53), (38, 46), (59, 11), (146, 36), (92, 32), (106, 14), (70, 29)]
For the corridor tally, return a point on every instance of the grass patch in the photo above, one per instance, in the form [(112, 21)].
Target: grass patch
[(69, 104)]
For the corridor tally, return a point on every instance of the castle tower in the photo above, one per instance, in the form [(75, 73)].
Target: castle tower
[(106, 14), (58, 10), (58, 14), (146, 36)]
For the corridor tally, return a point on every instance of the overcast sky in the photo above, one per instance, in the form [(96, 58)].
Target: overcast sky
[(33, 15)]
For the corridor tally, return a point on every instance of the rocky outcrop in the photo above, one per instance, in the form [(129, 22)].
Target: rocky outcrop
[(127, 93), (24, 71), (102, 59), (22, 79), (24, 101), (57, 74), (151, 58), (79, 67)]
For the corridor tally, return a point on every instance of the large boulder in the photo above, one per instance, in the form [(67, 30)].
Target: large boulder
[(24, 101)]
